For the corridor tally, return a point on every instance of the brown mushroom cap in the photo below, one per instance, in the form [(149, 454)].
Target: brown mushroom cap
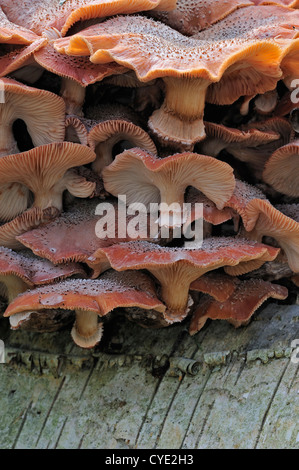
[(74, 235), (176, 268), (263, 219), (146, 179), (13, 58), (42, 111), (282, 169), (11, 33), (18, 271), (218, 285), (45, 170), (190, 17), (220, 137), (189, 65), (42, 15), (287, 3), (75, 130), (247, 297), (114, 124), (90, 299)]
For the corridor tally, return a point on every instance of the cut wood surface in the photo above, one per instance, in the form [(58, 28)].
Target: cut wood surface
[(155, 389)]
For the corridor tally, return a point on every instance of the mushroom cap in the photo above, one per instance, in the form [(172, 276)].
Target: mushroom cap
[(79, 69), (218, 285), (115, 123), (75, 130), (18, 56), (42, 111), (28, 220), (43, 167), (41, 15), (110, 291), (281, 169), (73, 236), (214, 253), (190, 17), (11, 33), (245, 35), (247, 297), (263, 219), (34, 270), (143, 177), (287, 3)]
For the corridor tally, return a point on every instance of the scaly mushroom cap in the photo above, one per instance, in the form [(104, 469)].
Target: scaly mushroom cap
[(75, 235), (79, 69), (190, 17), (42, 111), (287, 3), (34, 270), (45, 170), (90, 299), (263, 219), (40, 15), (282, 169), (220, 137), (242, 195), (19, 271), (12, 58), (246, 298), (177, 268), (29, 220), (146, 179), (189, 65), (116, 123), (11, 33), (218, 285)]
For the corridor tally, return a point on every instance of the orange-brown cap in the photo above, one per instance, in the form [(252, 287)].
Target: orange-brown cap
[(190, 17), (42, 15), (90, 299), (145, 178), (247, 297), (281, 169), (28, 220), (116, 123), (209, 65), (176, 268), (76, 233), (46, 171)]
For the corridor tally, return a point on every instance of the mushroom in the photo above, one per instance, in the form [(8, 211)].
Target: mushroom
[(190, 17), (76, 130), (42, 111), (146, 179), (28, 220), (282, 169), (237, 56), (177, 268), (11, 33), (90, 299), (218, 285), (20, 271), (116, 123), (239, 307), (42, 15), (76, 234), (263, 219), (46, 171)]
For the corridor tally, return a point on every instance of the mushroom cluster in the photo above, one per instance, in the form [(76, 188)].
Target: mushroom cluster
[(149, 161)]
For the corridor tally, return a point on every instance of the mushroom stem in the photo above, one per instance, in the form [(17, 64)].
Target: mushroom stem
[(175, 284), (8, 145), (171, 206), (74, 95), (87, 331), (52, 198), (104, 153), (212, 147), (14, 286), (180, 118)]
